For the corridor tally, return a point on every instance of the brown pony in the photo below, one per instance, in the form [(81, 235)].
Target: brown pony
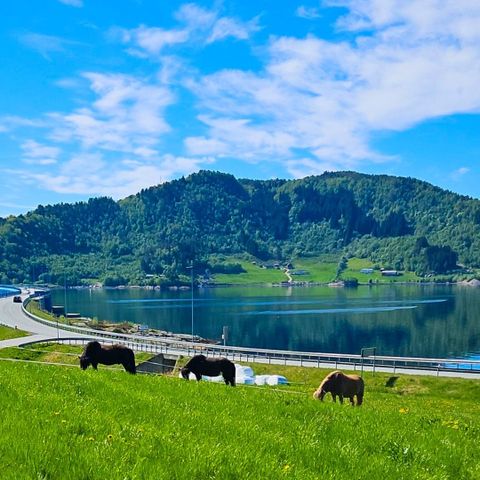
[(337, 383), (94, 353), (211, 367)]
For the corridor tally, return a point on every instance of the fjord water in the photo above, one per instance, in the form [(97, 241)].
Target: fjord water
[(405, 320)]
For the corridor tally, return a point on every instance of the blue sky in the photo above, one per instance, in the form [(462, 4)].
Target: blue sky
[(107, 98)]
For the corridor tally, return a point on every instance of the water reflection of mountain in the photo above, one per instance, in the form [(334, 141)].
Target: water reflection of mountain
[(431, 321)]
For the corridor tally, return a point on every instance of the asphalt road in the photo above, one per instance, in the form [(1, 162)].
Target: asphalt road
[(11, 315)]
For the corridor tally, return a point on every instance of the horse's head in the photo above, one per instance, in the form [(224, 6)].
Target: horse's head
[(331, 383), (84, 362), (185, 373), (322, 394)]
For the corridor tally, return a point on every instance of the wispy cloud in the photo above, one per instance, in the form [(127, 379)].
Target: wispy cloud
[(459, 173), (45, 45), (72, 3), (127, 115), (228, 27), (196, 25), (91, 173), (309, 13), (11, 122), (38, 154)]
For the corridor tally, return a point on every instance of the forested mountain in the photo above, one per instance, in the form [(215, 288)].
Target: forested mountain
[(397, 222)]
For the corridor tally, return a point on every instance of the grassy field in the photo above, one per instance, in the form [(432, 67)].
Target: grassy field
[(253, 274), (356, 264), (320, 269), (60, 422), (7, 332), (55, 353)]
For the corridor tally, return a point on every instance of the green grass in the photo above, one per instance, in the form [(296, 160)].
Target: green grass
[(34, 308), (60, 422), (7, 333), (356, 264), (320, 269), (55, 353), (253, 274)]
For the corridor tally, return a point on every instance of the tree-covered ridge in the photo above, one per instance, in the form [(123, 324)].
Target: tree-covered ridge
[(397, 222)]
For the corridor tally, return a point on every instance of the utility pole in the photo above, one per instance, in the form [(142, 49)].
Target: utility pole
[(191, 288)]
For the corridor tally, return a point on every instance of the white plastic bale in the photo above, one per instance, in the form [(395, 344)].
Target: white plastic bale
[(245, 380), (276, 380), (243, 371), (261, 379)]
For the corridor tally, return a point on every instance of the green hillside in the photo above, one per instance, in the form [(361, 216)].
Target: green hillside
[(210, 218), (60, 422)]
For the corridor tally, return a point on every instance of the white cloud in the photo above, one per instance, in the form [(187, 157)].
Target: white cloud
[(459, 173), (153, 40), (11, 122), (127, 114), (198, 26), (91, 174), (196, 17), (302, 167), (72, 3), (414, 63), (46, 44), (309, 13), (228, 27), (35, 153)]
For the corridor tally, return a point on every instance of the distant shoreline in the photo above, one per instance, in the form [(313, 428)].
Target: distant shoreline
[(174, 288)]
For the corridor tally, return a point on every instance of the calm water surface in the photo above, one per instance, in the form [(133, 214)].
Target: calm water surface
[(406, 320)]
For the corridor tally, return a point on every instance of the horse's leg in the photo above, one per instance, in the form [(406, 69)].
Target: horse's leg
[(351, 401), (198, 376), (341, 398), (334, 397), (129, 367), (94, 365), (359, 399)]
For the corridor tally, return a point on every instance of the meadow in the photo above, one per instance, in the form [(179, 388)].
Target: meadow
[(319, 269), (60, 422)]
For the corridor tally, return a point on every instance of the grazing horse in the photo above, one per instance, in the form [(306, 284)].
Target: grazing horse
[(337, 383), (211, 367), (94, 353)]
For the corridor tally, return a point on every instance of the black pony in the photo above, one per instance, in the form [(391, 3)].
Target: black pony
[(211, 367), (95, 353)]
